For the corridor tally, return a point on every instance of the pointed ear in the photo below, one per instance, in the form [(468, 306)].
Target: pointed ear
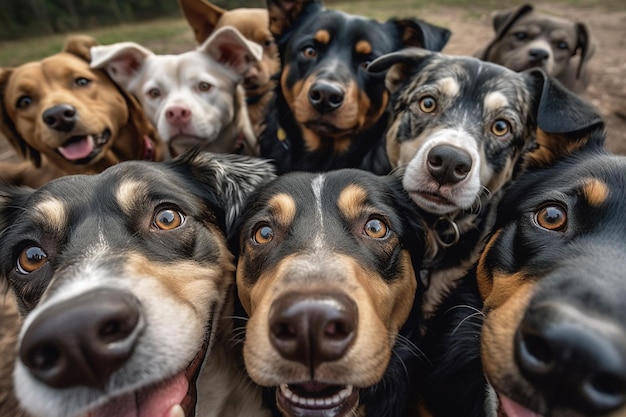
[(399, 65), (502, 22), (416, 32), (7, 127), (285, 15), (232, 178), (229, 47), (80, 46), (565, 122), (584, 45), (202, 16), (122, 61)]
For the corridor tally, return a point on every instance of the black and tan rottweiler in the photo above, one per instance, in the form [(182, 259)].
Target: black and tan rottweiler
[(328, 110), (326, 275)]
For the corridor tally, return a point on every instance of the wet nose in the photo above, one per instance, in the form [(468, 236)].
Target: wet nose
[(83, 340), (538, 54), (448, 164), (178, 115), (312, 329), (61, 117), (326, 97)]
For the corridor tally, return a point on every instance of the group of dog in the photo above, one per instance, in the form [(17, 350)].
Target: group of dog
[(318, 215)]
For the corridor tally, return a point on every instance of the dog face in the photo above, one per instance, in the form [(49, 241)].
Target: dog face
[(326, 275), (194, 99), (122, 278), (553, 338), (460, 125), (526, 39), (324, 54), (67, 111), (205, 17)]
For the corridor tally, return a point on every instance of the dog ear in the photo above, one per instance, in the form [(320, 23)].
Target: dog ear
[(585, 46), (230, 48), (122, 61), (502, 22), (285, 15), (230, 177), (399, 65), (202, 16), (416, 32), (80, 46), (565, 122), (7, 127)]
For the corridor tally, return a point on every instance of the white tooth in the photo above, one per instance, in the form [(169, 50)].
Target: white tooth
[(310, 401), (176, 411), (336, 399), (294, 398), (328, 401), (319, 402)]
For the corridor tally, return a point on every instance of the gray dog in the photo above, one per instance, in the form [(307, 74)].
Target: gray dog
[(527, 39)]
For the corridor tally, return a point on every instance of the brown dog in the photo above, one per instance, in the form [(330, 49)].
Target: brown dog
[(74, 117), (205, 17), (527, 39)]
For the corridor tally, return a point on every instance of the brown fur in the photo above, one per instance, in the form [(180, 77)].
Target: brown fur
[(99, 106)]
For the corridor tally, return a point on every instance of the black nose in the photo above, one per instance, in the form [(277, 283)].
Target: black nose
[(570, 361), (448, 164), (313, 329), (538, 54), (326, 97), (83, 340), (61, 117)]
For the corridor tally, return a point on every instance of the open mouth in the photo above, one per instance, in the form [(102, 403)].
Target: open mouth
[(509, 408), (315, 399), (174, 397), (82, 149)]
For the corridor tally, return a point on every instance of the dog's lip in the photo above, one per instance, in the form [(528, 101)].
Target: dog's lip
[(316, 399), (509, 408), (81, 149), (432, 197), (323, 128)]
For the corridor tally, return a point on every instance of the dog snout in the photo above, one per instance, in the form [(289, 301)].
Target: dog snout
[(538, 55), (448, 164), (178, 115), (578, 366), (326, 97), (83, 340), (61, 117), (313, 329)]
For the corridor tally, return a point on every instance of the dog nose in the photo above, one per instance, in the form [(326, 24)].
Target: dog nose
[(61, 117), (538, 54), (448, 164), (178, 115), (312, 329), (83, 340), (326, 97), (568, 359)]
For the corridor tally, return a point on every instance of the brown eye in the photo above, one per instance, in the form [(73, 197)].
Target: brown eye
[(167, 219), (500, 127), (204, 87), (82, 81), (23, 102), (309, 52), (263, 234), (376, 229), (31, 259), (552, 218), (428, 104), (154, 93)]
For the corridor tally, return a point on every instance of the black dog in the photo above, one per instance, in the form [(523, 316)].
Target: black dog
[(326, 275), (329, 111)]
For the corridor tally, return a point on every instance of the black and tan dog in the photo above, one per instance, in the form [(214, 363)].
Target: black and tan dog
[(326, 275), (460, 128), (126, 286), (329, 111), (527, 39)]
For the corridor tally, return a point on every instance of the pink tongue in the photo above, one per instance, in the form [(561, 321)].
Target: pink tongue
[(153, 402), (513, 409), (79, 149)]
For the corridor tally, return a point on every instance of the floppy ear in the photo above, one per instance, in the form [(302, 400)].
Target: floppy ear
[(80, 46), (202, 16), (584, 45), (122, 61), (229, 47), (416, 32), (399, 65), (231, 177), (565, 122), (285, 15), (502, 22)]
